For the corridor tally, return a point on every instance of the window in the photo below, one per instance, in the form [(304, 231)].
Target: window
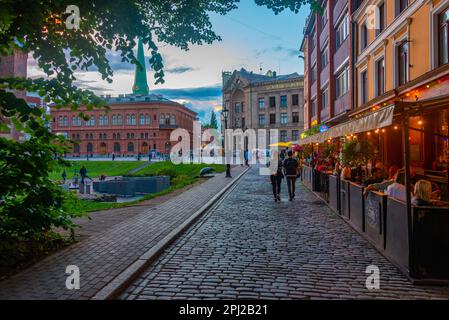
[(128, 119), (243, 123), (142, 119), (295, 135), (325, 99), (363, 36), (162, 119), (314, 73), (261, 119), (295, 99), (114, 120), (173, 120), (380, 80), (400, 6), (284, 118), (133, 120), (402, 71), (100, 120), (324, 16), (295, 117), (342, 83), (261, 103), (237, 107), (324, 57), (106, 120), (130, 147), (283, 101), (92, 120), (117, 147), (272, 118), (342, 32), (243, 107), (272, 102), (284, 136), (90, 148), (313, 109), (381, 19), (364, 87), (147, 119), (120, 120), (443, 34)]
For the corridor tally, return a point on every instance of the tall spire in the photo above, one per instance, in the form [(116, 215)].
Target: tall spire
[(140, 79)]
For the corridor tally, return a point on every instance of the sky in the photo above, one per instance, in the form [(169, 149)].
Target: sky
[(253, 37)]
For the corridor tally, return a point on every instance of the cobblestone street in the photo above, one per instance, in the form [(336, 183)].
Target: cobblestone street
[(251, 247)]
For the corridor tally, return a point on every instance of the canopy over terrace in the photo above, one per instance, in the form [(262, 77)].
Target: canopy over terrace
[(379, 119)]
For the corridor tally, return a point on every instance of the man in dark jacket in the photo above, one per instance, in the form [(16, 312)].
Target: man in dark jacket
[(291, 168), (276, 180)]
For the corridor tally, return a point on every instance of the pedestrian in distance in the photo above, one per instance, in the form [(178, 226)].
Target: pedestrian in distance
[(64, 176), (113, 156), (83, 173), (276, 177), (291, 171)]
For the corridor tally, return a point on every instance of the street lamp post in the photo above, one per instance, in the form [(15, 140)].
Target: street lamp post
[(224, 118)]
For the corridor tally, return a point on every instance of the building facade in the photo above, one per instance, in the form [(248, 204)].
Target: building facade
[(328, 60), (268, 101), (404, 61), (136, 123), (14, 65)]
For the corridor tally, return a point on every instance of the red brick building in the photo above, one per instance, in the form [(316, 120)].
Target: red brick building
[(135, 124), (14, 65)]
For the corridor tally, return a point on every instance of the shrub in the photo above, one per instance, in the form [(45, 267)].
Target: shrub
[(180, 179)]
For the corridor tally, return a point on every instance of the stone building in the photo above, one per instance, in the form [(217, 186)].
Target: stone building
[(269, 101), (137, 123)]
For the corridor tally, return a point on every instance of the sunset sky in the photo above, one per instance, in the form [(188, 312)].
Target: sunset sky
[(253, 38)]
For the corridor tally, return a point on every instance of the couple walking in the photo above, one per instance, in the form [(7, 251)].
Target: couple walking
[(288, 168)]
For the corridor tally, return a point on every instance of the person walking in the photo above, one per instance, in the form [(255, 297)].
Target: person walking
[(83, 173), (113, 156), (291, 169), (276, 177), (64, 176)]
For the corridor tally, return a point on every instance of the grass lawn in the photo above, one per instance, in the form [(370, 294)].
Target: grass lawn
[(96, 168), (180, 176)]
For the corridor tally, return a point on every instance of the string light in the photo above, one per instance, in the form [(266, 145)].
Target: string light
[(396, 128)]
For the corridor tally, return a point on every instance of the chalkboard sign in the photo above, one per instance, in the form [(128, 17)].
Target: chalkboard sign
[(372, 211)]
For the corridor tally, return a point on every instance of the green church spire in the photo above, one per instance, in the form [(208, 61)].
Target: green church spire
[(140, 79)]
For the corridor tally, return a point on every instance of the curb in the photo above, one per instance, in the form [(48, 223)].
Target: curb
[(113, 289)]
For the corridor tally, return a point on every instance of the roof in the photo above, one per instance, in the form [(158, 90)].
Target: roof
[(256, 79)]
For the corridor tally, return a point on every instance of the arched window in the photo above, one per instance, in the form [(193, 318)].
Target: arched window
[(173, 119), (92, 120), (128, 136), (87, 136), (106, 120), (74, 122), (132, 135), (76, 148), (118, 136), (114, 120), (120, 120), (144, 148), (147, 119), (142, 119), (133, 120), (90, 148), (91, 136), (130, 147), (117, 147), (60, 121), (100, 120), (103, 148), (128, 120), (114, 136), (162, 120)]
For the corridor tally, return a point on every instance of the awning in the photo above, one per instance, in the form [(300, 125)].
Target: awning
[(379, 119)]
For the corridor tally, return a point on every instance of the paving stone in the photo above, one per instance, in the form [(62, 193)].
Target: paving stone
[(250, 247)]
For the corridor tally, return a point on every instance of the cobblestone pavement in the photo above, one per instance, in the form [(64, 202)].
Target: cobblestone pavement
[(106, 253), (250, 247)]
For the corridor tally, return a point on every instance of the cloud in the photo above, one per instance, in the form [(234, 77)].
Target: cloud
[(199, 94), (290, 52), (178, 70)]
